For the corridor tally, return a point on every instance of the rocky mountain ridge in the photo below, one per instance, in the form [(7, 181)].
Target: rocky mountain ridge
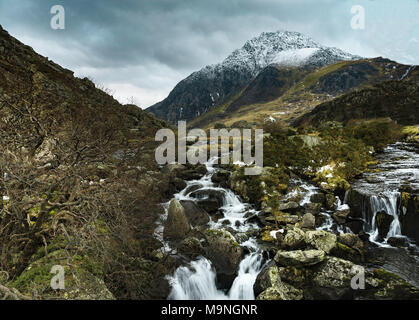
[(213, 85)]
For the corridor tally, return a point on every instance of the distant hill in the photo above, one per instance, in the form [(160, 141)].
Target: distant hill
[(284, 93), (397, 99)]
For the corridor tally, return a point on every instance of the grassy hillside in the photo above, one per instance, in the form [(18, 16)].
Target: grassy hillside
[(81, 188), (285, 94)]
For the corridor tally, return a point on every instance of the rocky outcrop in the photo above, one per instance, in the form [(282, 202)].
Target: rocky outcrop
[(176, 225), (321, 240), (333, 279), (299, 258), (269, 286)]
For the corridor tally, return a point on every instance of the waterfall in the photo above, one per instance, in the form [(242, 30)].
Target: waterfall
[(242, 288), (386, 203), (197, 281)]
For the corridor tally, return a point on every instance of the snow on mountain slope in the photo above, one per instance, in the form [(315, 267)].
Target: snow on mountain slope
[(214, 84), (281, 47), (294, 57)]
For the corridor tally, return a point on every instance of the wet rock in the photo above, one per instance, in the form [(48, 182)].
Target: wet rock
[(196, 215), (357, 226), (351, 240), (190, 174), (363, 236), (211, 206), (191, 247), (330, 201), (318, 198), (266, 278), (209, 200), (340, 216), (383, 221), (355, 200), (225, 253), (221, 177), (177, 225), (241, 237), (392, 287), (308, 221), (299, 258), (193, 188), (321, 240), (177, 184), (410, 220), (398, 242)]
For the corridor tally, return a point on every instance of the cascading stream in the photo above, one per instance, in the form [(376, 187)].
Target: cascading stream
[(198, 280)]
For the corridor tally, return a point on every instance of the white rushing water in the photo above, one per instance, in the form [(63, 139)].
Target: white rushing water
[(384, 203), (197, 281)]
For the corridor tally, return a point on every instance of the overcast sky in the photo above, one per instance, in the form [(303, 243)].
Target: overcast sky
[(143, 48)]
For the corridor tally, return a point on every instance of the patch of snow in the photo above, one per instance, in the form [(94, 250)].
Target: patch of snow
[(294, 57)]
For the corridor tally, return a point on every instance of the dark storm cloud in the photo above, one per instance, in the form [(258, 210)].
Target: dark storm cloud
[(151, 45)]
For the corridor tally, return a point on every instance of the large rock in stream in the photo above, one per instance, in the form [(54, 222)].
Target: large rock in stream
[(225, 253), (177, 225), (196, 215), (209, 199)]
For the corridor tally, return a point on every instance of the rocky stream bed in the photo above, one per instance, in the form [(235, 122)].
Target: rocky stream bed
[(315, 247)]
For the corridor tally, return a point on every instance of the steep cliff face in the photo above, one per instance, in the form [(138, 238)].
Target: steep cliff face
[(213, 85)]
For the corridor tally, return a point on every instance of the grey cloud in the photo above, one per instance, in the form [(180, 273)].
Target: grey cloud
[(118, 39)]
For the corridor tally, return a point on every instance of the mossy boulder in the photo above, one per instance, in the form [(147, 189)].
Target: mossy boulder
[(392, 287), (177, 225), (83, 278), (225, 253), (269, 286), (191, 247), (299, 258), (321, 240), (294, 239), (332, 279)]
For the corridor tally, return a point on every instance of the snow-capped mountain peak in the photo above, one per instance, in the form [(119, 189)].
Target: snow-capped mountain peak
[(213, 84), (280, 47)]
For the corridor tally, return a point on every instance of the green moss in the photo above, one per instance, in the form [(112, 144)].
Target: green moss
[(405, 198)]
